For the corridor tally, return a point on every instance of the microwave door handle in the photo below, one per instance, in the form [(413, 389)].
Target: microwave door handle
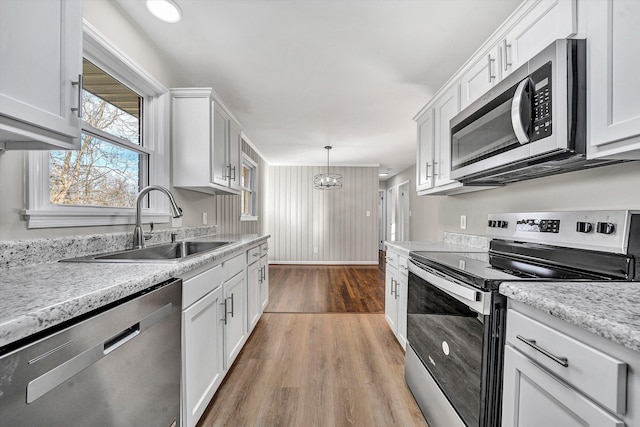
[(516, 108)]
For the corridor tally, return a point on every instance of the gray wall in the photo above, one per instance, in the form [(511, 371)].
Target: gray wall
[(610, 187), (221, 210), (300, 218)]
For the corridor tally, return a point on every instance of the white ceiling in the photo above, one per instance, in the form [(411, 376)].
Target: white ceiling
[(302, 74)]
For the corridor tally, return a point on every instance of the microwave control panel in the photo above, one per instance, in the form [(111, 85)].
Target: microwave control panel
[(541, 103)]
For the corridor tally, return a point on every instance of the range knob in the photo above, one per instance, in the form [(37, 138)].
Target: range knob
[(605, 228), (584, 227), (491, 223), (502, 224)]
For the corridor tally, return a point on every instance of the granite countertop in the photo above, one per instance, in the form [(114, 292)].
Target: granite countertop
[(608, 309), (452, 242), (36, 297)]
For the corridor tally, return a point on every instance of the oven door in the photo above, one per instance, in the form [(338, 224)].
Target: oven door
[(451, 330)]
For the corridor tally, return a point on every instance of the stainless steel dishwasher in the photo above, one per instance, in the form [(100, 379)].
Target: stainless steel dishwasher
[(119, 366)]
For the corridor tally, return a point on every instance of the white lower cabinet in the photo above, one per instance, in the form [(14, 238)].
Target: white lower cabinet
[(533, 397), (202, 342), (395, 301), (235, 317), (264, 274), (203, 354), (390, 298), (556, 374), (217, 301), (254, 294)]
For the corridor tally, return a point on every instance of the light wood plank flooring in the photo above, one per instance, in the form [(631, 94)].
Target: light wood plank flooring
[(320, 368)]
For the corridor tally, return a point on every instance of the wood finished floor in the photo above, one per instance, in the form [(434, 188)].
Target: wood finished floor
[(320, 368), (325, 289)]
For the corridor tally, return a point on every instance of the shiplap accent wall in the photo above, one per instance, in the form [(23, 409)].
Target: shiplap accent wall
[(300, 218), (228, 208)]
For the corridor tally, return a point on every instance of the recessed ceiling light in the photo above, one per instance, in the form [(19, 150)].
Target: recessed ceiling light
[(383, 174), (165, 10)]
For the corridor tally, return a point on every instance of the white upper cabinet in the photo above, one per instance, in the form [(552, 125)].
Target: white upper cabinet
[(234, 156), (205, 143), (545, 21), (535, 26), (445, 108), (424, 165), (40, 69), (531, 28), (613, 90), (481, 77)]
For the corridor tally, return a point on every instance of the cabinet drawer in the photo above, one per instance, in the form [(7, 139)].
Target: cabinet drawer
[(232, 267), (392, 259), (264, 249), (253, 255), (195, 288), (594, 373)]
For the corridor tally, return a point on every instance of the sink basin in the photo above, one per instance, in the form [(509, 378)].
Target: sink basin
[(169, 252)]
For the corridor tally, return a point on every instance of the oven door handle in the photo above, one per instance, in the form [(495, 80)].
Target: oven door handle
[(472, 298)]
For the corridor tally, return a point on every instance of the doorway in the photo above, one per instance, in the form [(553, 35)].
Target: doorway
[(404, 213)]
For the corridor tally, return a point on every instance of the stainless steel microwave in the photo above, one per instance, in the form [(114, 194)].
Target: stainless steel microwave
[(531, 124)]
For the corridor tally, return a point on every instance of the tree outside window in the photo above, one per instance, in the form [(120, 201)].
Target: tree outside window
[(111, 165)]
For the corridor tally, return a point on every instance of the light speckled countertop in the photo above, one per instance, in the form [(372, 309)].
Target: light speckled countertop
[(36, 297), (608, 309), (452, 242)]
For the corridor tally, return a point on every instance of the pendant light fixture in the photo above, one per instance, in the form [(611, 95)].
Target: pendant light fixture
[(327, 181)]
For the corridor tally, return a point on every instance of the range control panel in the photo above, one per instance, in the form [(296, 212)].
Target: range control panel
[(538, 225), (596, 230)]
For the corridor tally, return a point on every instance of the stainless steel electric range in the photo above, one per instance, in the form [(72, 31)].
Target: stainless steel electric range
[(456, 316)]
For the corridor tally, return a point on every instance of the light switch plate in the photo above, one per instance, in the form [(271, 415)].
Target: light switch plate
[(204, 218), (463, 222)]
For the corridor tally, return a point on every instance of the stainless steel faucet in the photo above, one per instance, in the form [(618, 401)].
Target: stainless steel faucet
[(138, 234)]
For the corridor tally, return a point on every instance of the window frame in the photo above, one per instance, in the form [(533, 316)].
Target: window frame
[(40, 213), (253, 166)]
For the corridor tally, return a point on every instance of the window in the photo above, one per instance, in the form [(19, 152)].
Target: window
[(248, 184), (110, 167), (123, 148)]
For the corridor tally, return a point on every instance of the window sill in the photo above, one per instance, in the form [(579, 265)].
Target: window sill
[(83, 218), (248, 218)]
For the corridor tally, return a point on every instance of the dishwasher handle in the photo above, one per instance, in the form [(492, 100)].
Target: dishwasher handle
[(67, 370)]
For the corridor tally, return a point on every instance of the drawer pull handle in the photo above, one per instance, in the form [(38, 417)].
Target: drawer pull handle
[(532, 343)]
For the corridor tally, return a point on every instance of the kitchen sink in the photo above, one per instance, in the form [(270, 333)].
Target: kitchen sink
[(169, 252)]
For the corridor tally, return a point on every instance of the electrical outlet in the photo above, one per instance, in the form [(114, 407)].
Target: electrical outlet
[(204, 218), (463, 222), (368, 213), (315, 250)]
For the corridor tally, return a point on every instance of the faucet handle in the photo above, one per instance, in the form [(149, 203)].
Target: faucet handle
[(173, 236)]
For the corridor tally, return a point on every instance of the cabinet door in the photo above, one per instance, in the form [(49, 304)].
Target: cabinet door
[(264, 290), (445, 108), (533, 398), (613, 64), (481, 77), (202, 354), (41, 55), (235, 295), (403, 290), (254, 297), (545, 22), (235, 150), (390, 299), (220, 123), (424, 166)]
